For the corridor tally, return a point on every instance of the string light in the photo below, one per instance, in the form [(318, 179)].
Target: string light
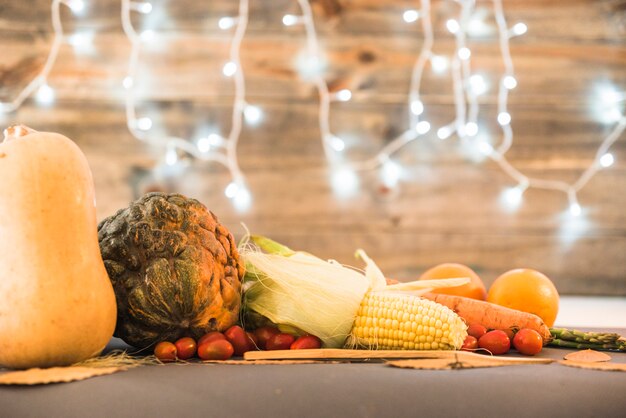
[(44, 93), (466, 86), (226, 23), (222, 150), (410, 16), (602, 158)]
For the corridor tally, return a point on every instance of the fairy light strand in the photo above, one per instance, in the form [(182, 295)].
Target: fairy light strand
[(205, 148), (466, 87), (498, 155), (45, 93)]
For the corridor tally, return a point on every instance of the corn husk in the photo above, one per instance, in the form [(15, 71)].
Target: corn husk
[(300, 291)]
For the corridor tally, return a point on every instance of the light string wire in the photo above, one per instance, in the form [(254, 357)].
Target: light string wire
[(204, 149), (331, 143), (465, 93), (39, 81), (498, 155), (466, 88)]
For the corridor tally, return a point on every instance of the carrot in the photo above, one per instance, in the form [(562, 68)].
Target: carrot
[(490, 315)]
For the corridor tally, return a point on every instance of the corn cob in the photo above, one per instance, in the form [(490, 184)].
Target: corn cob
[(401, 321)]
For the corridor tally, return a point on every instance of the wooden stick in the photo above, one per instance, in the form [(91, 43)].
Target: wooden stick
[(344, 354)]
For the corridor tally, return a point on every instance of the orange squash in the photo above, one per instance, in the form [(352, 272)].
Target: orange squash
[(57, 305)]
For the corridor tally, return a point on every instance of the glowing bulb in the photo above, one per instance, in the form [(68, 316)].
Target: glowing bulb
[(127, 82), (144, 123), (513, 196), (478, 84), (612, 115), (81, 41), (231, 190), (242, 199), (204, 145), (444, 132), (410, 16), (485, 148), (44, 95), (509, 82), (229, 69), (471, 128), (76, 6), (464, 53), (575, 209), (145, 8), (345, 182), (290, 20), (417, 107), (226, 23), (253, 114), (215, 140), (337, 143), (453, 26), (439, 63), (390, 173), (171, 157), (504, 118), (344, 95), (422, 127), (147, 35), (477, 27), (520, 28), (607, 160)]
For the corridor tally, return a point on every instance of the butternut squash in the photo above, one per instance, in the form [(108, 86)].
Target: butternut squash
[(57, 305)]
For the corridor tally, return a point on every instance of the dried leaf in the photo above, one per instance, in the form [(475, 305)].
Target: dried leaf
[(53, 375), (466, 362), (616, 367), (588, 356)]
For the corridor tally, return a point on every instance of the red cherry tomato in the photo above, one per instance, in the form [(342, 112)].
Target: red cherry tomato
[(528, 342), (280, 342), (476, 330), (470, 343), (165, 351), (496, 342), (216, 350), (185, 348), (263, 334), (213, 335), (306, 342), (239, 339), (509, 333)]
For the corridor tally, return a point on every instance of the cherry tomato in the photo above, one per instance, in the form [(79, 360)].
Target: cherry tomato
[(476, 330), (496, 342), (306, 342), (510, 332), (239, 339), (165, 351), (528, 341), (185, 348), (470, 343), (213, 335), (280, 342), (216, 350), (263, 334)]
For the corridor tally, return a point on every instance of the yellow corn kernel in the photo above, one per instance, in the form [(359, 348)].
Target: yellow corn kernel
[(401, 321)]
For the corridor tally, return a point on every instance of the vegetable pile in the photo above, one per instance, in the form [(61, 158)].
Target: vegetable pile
[(183, 288)]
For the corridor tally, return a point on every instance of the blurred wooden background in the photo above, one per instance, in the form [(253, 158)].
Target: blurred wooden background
[(447, 207)]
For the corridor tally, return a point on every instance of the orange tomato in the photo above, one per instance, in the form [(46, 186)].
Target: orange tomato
[(526, 290), (475, 289)]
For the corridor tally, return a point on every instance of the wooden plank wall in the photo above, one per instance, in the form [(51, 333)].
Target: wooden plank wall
[(447, 207)]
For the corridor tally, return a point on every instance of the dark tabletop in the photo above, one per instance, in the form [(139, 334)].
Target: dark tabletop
[(329, 390)]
